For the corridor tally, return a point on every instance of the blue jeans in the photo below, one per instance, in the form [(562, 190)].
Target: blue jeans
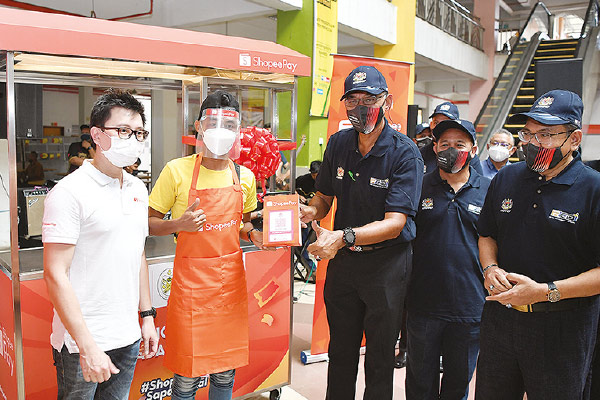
[(428, 338), (221, 386), (545, 354), (72, 386)]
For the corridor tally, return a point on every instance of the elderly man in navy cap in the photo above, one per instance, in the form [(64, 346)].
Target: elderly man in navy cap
[(445, 294), (375, 173), (540, 247), (442, 112)]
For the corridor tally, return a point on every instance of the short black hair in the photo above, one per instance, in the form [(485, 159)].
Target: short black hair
[(82, 127), (315, 166), (220, 99), (114, 98), (137, 162)]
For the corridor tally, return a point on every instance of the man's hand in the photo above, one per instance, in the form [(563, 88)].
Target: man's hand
[(85, 144), (191, 220), (495, 280), (96, 366), (257, 239), (327, 244), (149, 345), (524, 291), (307, 214)]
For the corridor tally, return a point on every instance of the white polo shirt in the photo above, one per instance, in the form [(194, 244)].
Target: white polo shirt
[(108, 226)]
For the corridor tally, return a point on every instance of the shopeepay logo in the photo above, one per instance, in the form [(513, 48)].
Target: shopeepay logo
[(246, 60)]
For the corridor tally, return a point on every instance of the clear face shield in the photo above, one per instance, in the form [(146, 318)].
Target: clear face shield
[(219, 134)]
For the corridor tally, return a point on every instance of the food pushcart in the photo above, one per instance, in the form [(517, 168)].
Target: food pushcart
[(59, 50)]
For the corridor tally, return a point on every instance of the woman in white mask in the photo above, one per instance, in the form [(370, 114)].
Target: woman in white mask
[(500, 147)]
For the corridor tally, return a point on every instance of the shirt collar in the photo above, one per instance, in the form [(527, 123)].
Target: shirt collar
[(567, 176), (474, 178), (101, 178), (383, 143)]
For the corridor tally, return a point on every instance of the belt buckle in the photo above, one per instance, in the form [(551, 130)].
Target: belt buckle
[(524, 308), (356, 248)]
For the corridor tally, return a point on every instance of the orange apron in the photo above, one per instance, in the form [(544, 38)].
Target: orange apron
[(207, 312)]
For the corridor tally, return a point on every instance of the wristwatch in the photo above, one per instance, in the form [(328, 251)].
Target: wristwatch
[(147, 313), (349, 237), (553, 293)]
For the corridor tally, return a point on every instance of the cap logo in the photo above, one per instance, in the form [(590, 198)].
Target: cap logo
[(545, 102), (445, 107), (359, 77)]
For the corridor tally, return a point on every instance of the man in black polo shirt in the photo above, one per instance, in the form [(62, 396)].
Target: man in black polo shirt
[(80, 151), (305, 184), (445, 294), (376, 175), (540, 248), (442, 112)]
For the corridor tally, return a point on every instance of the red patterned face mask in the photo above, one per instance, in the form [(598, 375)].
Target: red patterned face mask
[(364, 119), (453, 160), (539, 159)]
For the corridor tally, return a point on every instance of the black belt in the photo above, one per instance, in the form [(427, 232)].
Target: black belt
[(562, 305), (360, 249)]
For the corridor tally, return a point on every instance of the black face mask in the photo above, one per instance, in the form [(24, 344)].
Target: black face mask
[(453, 160), (424, 141), (539, 159), (364, 119)]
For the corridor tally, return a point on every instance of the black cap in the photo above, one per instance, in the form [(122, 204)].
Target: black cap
[(556, 107), (220, 99), (461, 124), (365, 79), (448, 109)]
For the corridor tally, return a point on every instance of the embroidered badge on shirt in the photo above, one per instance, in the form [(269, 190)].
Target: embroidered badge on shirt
[(563, 216), (474, 209), (506, 205), (427, 204), (340, 173), (380, 183)]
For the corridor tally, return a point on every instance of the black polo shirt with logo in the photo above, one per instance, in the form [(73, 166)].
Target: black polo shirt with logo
[(546, 230), (446, 281), (387, 179)]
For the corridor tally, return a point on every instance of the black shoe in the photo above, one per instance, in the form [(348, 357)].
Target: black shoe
[(400, 360)]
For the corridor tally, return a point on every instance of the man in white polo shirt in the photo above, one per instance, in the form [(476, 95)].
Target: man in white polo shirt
[(94, 231)]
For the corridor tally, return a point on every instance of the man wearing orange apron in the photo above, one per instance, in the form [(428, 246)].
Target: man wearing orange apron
[(210, 200)]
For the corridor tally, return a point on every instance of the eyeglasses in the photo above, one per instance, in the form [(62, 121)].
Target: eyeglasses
[(367, 100), (126, 133), (501, 144), (541, 137)]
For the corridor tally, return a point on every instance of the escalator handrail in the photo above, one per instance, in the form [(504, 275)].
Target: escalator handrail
[(539, 3), (503, 109), (591, 5)]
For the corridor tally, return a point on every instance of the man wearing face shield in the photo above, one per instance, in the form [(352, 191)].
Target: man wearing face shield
[(94, 231), (445, 294), (210, 199), (500, 147), (540, 248), (375, 173)]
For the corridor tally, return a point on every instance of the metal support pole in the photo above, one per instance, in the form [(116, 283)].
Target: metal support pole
[(14, 234)]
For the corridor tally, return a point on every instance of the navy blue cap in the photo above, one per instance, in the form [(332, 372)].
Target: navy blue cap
[(421, 127), (556, 107), (448, 109), (365, 79), (461, 124)]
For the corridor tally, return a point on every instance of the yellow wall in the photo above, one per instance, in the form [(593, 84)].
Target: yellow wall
[(404, 49)]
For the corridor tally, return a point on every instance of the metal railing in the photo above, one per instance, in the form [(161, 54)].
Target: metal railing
[(453, 19), (592, 18)]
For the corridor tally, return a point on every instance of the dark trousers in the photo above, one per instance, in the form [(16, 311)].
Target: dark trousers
[(365, 292), (428, 337), (547, 355), (72, 386)]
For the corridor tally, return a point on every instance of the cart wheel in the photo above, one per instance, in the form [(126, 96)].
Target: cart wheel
[(275, 394)]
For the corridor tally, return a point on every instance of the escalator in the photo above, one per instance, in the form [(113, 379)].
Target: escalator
[(514, 90)]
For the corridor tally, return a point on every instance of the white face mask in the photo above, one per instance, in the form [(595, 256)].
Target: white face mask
[(123, 152), (499, 153), (219, 140)]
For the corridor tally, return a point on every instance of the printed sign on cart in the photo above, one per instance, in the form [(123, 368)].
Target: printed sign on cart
[(161, 275)]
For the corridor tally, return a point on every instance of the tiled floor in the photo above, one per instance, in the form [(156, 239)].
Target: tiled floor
[(310, 381)]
